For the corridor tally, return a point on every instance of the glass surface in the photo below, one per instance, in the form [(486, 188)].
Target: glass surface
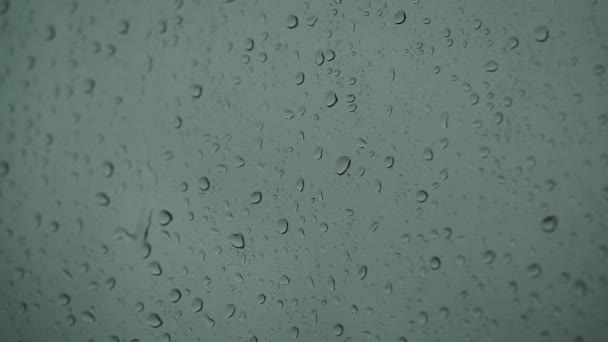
[(287, 170)]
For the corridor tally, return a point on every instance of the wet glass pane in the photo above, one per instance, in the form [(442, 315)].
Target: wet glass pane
[(289, 170)]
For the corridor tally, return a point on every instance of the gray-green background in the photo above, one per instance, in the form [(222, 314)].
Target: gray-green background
[(330, 170)]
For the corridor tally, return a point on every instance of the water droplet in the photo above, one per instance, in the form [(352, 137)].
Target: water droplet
[(175, 295), (329, 54), (399, 17), (491, 66), (165, 217), (428, 154), (300, 78), (196, 90), (534, 270), (541, 33), (102, 199), (389, 162), (318, 153), (64, 299), (488, 256), (580, 287), (362, 273), (421, 196), (209, 321), (204, 184), (294, 332), (154, 268), (107, 169), (154, 320), (88, 316), (549, 224), (300, 184), (342, 165), (249, 44), (331, 98), (237, 240), (229, 310), (282, 225), (255, 197), (338, 329), (197, 304), (435, 263), (512, 42), (292, 21), (70, 320)]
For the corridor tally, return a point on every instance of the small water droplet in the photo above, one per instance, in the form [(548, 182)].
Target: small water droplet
[(282, 225), (300, 184), (362, 273), (237, 240), (549, 224), (342, 165), (435, 263), (318, 153), (488, 256), (338, 329), (534, 270), (331, 98), (165, 217), (64, 299), (428, 154), (389, 162), (196, 90), (154, 268), (300, 78), (229, 310), (421, 196), (204, 184), (491, 66), (107, 169), (292, 21), (255, 197), (541, 33), (512, 42), (154, 320), (102, 199), (197, 304), (175, 295), (294, 332), (399, 17)]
